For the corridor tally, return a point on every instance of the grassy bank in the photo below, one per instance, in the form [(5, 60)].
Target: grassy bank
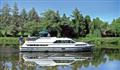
[(9, 40), (109, 42)]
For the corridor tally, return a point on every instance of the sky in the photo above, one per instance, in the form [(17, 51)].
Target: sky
[(106, 10)]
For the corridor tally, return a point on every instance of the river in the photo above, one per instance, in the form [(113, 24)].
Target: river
[(99, 59)]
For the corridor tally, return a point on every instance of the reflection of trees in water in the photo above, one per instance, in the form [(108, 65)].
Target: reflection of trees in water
[(98, 57), (113, 54), (85, 63), (79, 64), (8, 61), (51, 68), (99, 54), (26, 65), (76, 65), (30, 67)]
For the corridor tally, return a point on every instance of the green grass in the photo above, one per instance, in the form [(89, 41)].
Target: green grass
[(9, 40)]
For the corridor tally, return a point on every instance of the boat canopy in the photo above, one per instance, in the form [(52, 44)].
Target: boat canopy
[(43, 33)]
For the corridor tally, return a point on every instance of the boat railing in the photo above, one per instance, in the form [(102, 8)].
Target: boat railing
[(35, 38), (31, 38)]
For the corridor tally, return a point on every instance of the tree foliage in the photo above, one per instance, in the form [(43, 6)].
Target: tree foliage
[(15, 23)]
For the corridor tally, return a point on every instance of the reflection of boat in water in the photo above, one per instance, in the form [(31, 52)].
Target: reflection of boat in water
[(54, 59), (54, 44)]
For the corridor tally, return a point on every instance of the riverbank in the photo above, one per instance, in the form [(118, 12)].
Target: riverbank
[(107, 42), (9, 40)]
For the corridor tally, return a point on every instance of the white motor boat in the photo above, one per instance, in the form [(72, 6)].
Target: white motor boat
[(54, 44)]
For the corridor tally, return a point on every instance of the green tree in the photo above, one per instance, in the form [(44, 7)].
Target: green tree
[(105, 28), (87, 24), (96, 27), (115, 26), (23, 19), (30, 23), (16, 21), (29, 27), (32, 15), (65, 19), (66, 27), (23, 15), (15, 10), (77, 21), (5, 19), (51, 20)]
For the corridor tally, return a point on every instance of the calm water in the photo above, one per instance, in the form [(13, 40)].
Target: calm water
[(100, 59)]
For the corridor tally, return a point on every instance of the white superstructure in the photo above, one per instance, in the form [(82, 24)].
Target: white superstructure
[(54, 44)]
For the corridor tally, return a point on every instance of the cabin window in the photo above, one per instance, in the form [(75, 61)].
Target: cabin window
[(64, 41), (80, 44), (58, 41), (37, 45), (63, 49), (70, 41)]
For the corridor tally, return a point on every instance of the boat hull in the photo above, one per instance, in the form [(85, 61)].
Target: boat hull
[(55, 49)]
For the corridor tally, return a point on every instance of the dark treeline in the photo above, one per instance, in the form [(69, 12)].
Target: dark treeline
[(14, 23)]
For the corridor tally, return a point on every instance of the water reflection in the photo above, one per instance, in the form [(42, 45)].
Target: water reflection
[(55, 59), (97, 60)]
